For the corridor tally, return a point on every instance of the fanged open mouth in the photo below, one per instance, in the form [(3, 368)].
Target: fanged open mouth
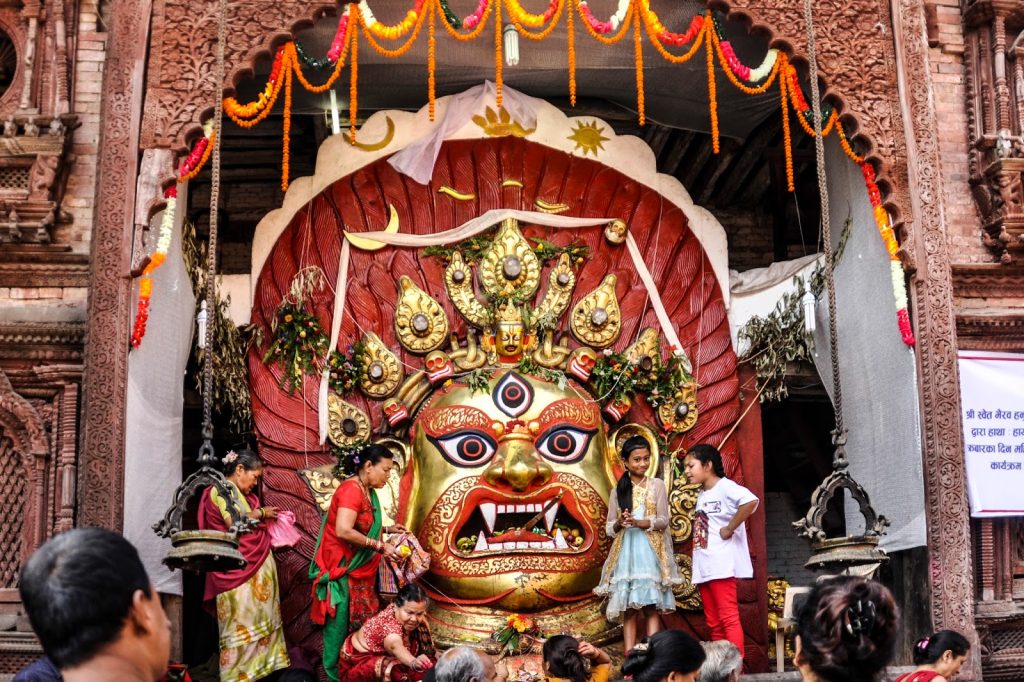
[(545, 525)]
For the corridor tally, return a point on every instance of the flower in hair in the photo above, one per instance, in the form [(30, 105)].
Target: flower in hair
[(230, 457)]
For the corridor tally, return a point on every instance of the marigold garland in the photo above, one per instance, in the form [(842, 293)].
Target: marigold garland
[(712, 93), (163, 245), (787, 135), (552, 14), (200, 154), (290, 58), (499, 61), (353, 83), (287, 133), (570, 28), (432, 60), (899, 285), (475, 22), (657, 40), (619, 22)]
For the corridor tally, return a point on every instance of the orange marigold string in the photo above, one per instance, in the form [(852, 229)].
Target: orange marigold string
[(431, 8), (499, 62), (399, 51), (353, 83), (787, 137), (331, 80), (845, 144), (743, 87), (529, 34), (638, 52), (572, 54), (712, 92), (669, 56), (287, 134), (202, 160)]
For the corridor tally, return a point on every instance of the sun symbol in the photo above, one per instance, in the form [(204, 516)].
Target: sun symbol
[(588, 137)]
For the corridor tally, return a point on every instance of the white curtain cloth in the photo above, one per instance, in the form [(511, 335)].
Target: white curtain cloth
[(154, 408), (418, 159), (878, 371)]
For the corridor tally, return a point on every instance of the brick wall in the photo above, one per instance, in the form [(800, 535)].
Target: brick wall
[(749, 234), (786, 551), (947, 76), (87, 85)]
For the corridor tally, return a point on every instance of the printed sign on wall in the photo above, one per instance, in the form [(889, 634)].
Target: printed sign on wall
[(992, 397)]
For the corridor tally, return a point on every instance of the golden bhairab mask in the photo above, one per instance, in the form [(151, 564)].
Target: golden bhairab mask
[(508, 492)]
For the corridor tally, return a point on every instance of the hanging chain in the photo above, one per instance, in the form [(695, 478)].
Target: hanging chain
[(839, 435), (206, 454)]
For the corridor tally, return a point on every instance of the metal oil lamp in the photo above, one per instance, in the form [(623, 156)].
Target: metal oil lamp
[(203, 550), (852, 554)]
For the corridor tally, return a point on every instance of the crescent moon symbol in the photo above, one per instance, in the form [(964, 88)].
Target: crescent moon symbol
[(365, 244)]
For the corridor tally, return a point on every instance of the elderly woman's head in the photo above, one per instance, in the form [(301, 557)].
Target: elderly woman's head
[(723, 663), (668, 656), (411, 607), (846, 631)]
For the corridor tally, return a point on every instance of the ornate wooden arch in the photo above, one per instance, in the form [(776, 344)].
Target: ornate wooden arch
[(873, 49)]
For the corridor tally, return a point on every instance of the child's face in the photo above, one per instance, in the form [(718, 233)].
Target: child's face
[(695, 471), (638, 462)]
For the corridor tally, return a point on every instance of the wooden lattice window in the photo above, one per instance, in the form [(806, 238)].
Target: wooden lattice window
[(13, 488), (14, 178)]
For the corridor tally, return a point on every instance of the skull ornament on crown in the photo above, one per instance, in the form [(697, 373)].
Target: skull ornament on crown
[(508, 455)]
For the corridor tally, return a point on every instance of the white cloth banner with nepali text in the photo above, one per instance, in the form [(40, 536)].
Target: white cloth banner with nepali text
[(992, 398)]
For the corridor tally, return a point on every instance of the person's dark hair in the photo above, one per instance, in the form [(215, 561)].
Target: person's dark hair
[(661, 654), (704, 453), (410, 592), (847, 629), (624, 488), (78, 590), (564, 660), (930, 649), (249, 460), (373, 453)]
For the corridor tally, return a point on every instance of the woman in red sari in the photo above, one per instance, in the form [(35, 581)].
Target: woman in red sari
[(348, 551), (246, 601), (393, 646)]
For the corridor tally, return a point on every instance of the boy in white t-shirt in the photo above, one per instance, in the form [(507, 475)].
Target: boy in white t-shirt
[(720, 550)]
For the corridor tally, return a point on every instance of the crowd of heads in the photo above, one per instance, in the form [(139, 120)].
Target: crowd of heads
[(87, 594)]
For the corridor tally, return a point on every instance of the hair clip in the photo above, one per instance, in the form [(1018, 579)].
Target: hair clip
[(230, 457), (355, 460), (923, 644), (860, 619)]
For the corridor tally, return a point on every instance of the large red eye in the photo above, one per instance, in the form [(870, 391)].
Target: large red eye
[(466, 448), (564, 444)]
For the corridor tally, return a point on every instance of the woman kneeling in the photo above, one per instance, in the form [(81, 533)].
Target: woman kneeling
[(393, 646)]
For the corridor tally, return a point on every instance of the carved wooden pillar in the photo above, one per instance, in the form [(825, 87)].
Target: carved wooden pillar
[(995, 102), (948, 515), (101, 471)]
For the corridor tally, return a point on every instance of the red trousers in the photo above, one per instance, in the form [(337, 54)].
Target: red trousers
[(722, 610)]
